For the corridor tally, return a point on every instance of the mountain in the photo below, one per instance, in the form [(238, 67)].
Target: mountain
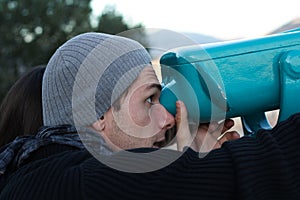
[(160, 40), (295, 23), (201, 38)]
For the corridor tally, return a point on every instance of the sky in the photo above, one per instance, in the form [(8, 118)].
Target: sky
[(223, 19)]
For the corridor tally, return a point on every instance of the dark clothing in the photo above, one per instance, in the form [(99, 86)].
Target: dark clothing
[(21, 149), (15, 153), (265, 167)]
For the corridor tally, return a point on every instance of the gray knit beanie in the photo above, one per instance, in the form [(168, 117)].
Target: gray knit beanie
[(87, 74)]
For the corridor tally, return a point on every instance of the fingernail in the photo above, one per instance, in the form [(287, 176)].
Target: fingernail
[(178, 103), (236, 134), (229, 122)]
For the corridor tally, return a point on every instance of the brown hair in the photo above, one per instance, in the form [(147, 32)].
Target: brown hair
[(21, 109)]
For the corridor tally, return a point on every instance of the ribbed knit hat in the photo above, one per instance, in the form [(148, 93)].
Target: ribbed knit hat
[(87, 74)]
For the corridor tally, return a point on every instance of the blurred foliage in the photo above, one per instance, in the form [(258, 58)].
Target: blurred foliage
[(112, 22), (31, 30)]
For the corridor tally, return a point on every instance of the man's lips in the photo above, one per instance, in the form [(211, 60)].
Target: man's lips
[(159, 143)]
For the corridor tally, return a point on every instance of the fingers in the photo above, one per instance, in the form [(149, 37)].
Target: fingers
[(216, 127), (228, 124), (213, 135), (183, 135), (181, 114), (209, 135), (228, 136)]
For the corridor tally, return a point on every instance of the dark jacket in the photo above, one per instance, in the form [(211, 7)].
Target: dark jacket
[(265, 167)]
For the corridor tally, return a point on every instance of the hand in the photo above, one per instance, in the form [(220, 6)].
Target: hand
[(208, 136)]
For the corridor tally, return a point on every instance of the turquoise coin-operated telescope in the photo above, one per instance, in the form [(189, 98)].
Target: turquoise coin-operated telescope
[(241, 78)]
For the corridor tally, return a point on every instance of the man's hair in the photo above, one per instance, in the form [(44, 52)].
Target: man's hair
[(117, 104)]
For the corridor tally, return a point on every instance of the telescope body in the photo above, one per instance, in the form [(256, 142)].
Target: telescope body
[(239, 78)]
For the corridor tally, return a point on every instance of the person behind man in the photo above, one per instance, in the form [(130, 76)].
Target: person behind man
[(105, 86), (21, 108)]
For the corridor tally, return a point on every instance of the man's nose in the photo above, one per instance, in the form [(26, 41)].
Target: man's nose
[(170, 120)]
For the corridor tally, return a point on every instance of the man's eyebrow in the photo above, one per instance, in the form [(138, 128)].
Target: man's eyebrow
[(154, 85)]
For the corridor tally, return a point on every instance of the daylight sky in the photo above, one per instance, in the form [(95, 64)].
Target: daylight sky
[(224, 19)]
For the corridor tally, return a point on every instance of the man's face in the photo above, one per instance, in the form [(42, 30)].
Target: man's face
[(141, 120)]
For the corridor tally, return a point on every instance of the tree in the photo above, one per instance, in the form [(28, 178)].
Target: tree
[(112, 22), (33, 29)]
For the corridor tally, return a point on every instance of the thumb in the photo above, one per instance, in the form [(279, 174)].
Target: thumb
[(183, 135)]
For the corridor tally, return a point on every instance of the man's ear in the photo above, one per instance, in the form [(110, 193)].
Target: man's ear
[(99, 125)]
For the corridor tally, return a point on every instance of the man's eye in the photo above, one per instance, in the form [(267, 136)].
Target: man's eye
[(149, 100)]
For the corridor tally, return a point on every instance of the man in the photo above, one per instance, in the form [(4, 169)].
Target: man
[(104, 86), (109, 65)]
